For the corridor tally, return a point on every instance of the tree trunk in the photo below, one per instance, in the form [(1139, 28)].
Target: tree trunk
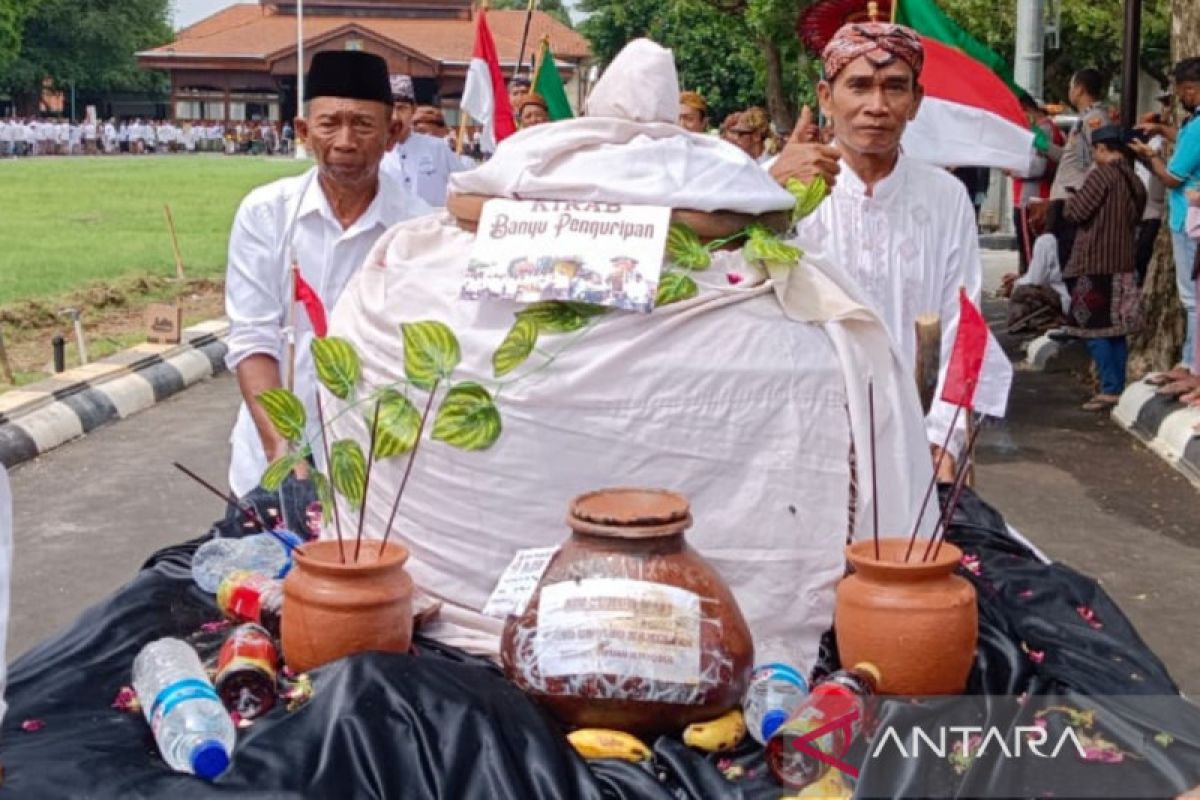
[(1157, 345), (777, 101)]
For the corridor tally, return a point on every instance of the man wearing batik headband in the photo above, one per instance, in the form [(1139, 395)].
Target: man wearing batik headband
[(693, 112), (903, 230)]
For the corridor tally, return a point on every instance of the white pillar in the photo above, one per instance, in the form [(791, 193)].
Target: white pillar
[(300, 148), (1031, 46)]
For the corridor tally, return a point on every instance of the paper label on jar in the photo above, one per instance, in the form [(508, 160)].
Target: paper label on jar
[(516, 586), (617, 626)]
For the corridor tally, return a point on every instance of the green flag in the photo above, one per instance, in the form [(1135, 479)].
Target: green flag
[(927, 19), (548, 83)]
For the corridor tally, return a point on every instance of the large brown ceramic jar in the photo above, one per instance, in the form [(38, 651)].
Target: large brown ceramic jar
[(917, 622), (629, 627), (331, 609)]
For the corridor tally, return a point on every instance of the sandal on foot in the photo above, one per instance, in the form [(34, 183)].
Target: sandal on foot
[(1100, 403)]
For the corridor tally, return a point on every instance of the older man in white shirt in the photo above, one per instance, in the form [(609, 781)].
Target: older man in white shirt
[(422, 164), (326, 220), (904, 230)]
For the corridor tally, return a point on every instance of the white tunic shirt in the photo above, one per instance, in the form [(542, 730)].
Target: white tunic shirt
[(258, 284), (910, 245), (423, 164)]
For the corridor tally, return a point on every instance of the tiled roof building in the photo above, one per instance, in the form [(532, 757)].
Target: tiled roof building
[(240, 63)]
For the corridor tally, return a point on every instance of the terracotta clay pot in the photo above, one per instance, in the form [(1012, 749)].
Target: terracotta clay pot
[(331, 610), (917, 622), (629, 627)]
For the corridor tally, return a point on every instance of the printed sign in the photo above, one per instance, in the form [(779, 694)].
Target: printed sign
[(616, 626), (518, 582), (164, 323), (605, 254)]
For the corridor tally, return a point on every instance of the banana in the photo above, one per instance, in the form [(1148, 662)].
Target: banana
[(723, 733), (604, 743), (832, 787)]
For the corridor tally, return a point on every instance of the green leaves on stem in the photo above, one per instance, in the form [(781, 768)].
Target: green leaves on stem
[(516, 347), (557, 316), (685, 249), (348, 470), (399, 425), (278, 470), (808, 196), (337, 364), (468, 418), (286, 413), (765, 247), (431, 352), (674, 287)]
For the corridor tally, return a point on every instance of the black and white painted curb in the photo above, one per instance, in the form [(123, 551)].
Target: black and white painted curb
[(1167, 426), (37, 418)]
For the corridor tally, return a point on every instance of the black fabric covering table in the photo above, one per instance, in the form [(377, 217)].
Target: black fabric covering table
[(441, 724)]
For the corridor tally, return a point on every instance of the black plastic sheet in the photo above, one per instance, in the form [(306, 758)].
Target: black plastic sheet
[(441, 724)]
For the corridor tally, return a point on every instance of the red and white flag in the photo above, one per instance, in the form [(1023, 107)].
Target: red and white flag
[(308, 297), (980, 375), (485, 96)]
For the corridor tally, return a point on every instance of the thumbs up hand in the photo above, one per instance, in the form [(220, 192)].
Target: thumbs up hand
[(804, 157)]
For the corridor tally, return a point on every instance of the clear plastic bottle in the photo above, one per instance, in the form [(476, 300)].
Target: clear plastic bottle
[(264, 553), (193, 731), (775, 691)]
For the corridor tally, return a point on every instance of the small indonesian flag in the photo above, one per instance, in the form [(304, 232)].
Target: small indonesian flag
[(307, 297), (485, 97), (980, 375), (970, 115)]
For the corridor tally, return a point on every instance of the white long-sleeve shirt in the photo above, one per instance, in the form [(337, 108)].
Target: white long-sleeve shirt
[(258, 284), (910, 246), (422, 164), (1044, 269)]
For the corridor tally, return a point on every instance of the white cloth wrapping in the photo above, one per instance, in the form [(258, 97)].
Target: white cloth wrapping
[(258, 285), (908, 247), (628, 149), (746, 398), (721, 397)]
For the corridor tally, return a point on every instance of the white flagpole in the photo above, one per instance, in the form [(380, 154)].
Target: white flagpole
[(300, 149)]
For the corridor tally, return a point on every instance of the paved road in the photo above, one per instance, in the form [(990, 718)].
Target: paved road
[(1081, 489)]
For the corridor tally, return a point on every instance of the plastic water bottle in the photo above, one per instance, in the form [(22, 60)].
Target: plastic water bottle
[(263, 553), (266, 554), (775, 691), (193, 731)]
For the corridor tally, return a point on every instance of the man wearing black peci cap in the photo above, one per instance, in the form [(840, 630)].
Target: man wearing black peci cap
[(326, 222)]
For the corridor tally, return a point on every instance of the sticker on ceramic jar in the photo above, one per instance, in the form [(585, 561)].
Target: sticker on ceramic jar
[(617, 626), (518, 582)]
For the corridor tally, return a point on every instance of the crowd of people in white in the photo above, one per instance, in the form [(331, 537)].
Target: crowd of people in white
[(49, 136)]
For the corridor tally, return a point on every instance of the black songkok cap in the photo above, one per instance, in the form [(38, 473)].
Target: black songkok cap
[(351, 74)]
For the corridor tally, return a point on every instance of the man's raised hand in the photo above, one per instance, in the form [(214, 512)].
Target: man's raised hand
[(804, 157)]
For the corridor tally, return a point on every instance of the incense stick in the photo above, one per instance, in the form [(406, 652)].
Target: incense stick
[(362, 512), (960, 482), (250, 515), (874, 467), (937, 468), (407, 471), (337, 520)]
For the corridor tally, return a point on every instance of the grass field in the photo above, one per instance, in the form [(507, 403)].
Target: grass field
[(67, 222)]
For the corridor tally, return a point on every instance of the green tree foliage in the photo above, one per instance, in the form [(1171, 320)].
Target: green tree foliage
[(554, 8), (718, 54), (87, 43), (12, 18), (1090, 36)]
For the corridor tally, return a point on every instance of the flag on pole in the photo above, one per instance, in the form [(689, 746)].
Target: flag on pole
[(548, 83), (970, 115), (307, 297), (485, 96), (980, 375)]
